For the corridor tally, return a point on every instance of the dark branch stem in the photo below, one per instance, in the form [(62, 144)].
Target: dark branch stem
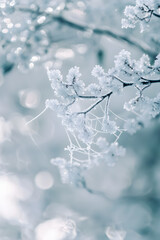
[(133, 198), (154, 81), (156, 15), (95, 104), (89, 97), (106, 32), (91, 191), (146, 82)]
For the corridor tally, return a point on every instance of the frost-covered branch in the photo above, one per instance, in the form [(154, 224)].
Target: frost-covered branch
[(86, 28), (87, 128), (27, 42), (141, 13)]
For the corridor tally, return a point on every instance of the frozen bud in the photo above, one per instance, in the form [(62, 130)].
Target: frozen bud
[(122, 60), (94, 89), (54, 105), (54, 75), (98, 72), (73, 75)]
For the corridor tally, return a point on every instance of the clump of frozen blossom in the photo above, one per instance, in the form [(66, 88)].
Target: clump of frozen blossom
[(72, 171), (109, 153), (141, 13), (146, 108), (86, 126), (98, 72), (109, 126), (94, 89), (136, 70), (105, 80)]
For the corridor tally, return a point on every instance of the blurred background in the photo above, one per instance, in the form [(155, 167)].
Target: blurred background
[(124, 201)]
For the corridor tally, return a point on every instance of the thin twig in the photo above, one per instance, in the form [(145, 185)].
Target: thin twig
[(81, 27)]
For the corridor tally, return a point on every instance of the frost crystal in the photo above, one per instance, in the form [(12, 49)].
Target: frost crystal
[(98, 72)]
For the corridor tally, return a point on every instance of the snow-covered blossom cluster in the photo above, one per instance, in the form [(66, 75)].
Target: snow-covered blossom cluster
[(30, 31), (95, 112), (141, 13), (86, 114)]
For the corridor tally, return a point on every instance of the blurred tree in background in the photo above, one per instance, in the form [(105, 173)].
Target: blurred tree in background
[(88, 198)]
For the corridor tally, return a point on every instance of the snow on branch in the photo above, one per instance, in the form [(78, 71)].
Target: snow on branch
[(141, 13), (87, 117), (29, 31)]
